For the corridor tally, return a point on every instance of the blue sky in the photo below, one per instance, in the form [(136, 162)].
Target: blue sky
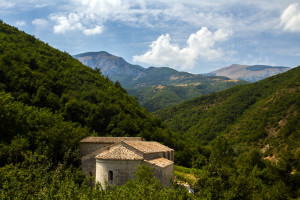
[(187, 35)]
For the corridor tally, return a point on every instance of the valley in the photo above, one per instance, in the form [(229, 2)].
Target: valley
[(232, 139), (155, 88)]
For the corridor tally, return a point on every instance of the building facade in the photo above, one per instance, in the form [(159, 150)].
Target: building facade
[(114, 160)]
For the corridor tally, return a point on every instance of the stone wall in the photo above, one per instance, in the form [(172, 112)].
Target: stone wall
[(167, 155), (167, 175), (120, 170), (164, 175)]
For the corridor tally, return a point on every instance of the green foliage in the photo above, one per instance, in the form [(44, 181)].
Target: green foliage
[(28, 128), (49, 101), (38, 75), (267, 110), (251, 177), (244, 127), (185, 87), (38, 178)]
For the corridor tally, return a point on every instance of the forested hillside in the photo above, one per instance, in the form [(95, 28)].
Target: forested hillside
[(245, 140), (157, 97), (242, 142), (246, 113), (49, 101), (38, 75)]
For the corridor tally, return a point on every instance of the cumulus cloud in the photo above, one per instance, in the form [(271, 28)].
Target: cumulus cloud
[(199, 45), (40, 23), (76, 21), (20, 23), (290, 18), (66, 23), (89, 16)]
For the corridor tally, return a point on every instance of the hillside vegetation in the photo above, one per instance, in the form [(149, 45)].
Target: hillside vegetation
[(246, 138), (49, 101), (38, 75), (264, 111), (157, 97), (243, 142), (155, 87)]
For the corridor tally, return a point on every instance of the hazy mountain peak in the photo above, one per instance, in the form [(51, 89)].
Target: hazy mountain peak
[(249, 73)]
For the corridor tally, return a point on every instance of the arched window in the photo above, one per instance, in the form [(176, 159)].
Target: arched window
[(110, 175)]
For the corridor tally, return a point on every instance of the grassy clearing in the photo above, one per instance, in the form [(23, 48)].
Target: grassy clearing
[(188, 174)]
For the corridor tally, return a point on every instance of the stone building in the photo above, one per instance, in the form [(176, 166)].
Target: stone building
[(114, 160)]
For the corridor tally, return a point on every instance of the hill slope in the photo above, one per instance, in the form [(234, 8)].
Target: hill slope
[(263, 114), (38, 75), (174, 86), (161, 96), (249, 73)]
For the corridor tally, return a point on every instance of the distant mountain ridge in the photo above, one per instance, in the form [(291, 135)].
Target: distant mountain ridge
[(114, 67), (249, 73), (155, 87)]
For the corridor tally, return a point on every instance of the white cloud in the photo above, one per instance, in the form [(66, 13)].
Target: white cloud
[(20, 23), (76, 21), (40, 23), (93, 31), (290, 18), (67, 23), (230, 14), (199, 45)]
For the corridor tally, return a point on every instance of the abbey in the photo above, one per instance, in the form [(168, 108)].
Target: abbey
[(113, 160)]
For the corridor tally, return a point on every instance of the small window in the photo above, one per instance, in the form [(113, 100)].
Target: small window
[(90, 173), (110, 175)]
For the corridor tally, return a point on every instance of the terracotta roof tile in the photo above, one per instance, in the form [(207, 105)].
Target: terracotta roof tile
[(118, 152), (160, 162), (147, 146), (109, 139)]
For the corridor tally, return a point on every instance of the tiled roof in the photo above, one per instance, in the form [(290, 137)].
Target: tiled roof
[(148, 147), (109, 139), (118, 152), (160, 162), (95, 153)]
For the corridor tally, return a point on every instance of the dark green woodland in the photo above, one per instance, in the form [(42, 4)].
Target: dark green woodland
[(242, 142)]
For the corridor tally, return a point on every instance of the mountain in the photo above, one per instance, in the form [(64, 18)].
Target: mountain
[(155, 88), (249, 73), (115, 68), (264, 114)]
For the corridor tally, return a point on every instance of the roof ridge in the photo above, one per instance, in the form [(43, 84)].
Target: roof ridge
[(103, 139), (163, 148), (119, 152), (154, 161), (123, 142), (98, 151)]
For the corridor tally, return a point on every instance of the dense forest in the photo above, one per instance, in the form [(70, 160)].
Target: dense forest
[(49, 101), (156, 97), (245, 138)]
